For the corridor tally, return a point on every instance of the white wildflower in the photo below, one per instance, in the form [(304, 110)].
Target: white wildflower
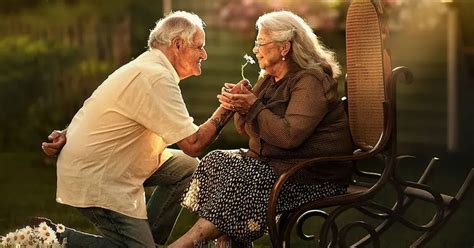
[(191, 198), (60, 228), (48, 236), (15, 237), (42, 236), (4, 241), (55, 244), (248, 59), (23, 236), (8, 239), (31, 243), (43, 228), (28, 230)]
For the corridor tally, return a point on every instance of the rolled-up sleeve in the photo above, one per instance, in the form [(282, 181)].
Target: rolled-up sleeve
[(165, 113)]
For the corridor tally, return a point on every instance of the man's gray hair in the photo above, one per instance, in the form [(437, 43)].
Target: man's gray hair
[(306, 49), (177, 24)]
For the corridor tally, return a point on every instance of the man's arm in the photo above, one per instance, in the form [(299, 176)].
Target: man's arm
[(209, 130), (194, 144), (58, 140)]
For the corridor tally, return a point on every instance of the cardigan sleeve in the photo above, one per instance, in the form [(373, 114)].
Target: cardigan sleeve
[(305, 108)]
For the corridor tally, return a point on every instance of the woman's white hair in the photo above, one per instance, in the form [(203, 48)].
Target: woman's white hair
[(306, 50), (177, 24)]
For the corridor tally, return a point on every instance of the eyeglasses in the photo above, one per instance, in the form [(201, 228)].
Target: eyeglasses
[(257, 45)]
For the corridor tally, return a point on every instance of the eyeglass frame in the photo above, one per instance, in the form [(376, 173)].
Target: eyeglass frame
[(257, 45)]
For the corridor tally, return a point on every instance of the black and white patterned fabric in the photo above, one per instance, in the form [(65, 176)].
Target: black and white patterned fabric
[(232, 190)]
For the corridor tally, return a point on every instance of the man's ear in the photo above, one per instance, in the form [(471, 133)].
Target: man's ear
[(177, 43)]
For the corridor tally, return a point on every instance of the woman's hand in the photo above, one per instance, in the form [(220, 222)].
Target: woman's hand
[(237, 88), (233, 89), (240, 102)]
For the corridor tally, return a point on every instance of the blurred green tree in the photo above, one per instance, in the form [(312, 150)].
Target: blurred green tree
[(54, 53), (29, 69)]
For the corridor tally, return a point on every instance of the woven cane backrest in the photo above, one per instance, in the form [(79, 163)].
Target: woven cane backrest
[(365, 74)]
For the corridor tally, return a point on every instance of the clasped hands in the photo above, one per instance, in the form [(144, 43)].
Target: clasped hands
[(237, 97), (57, 140)]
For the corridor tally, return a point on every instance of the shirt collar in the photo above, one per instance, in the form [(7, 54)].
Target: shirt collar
[(166, 63)]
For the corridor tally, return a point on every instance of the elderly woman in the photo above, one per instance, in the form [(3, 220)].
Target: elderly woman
[(292, 113)]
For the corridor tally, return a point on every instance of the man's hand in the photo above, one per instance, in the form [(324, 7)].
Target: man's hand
[(241, 102), (58, 140), (237, 88), (241, 87)]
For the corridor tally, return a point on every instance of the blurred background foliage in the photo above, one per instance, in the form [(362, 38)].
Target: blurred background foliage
[(54, 53)]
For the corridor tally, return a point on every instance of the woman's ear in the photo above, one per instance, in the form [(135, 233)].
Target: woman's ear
[(285, 48)]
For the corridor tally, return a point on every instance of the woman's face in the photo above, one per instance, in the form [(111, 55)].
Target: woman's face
[(267, 52)]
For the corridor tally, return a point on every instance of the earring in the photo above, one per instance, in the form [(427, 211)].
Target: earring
[(283, 58)]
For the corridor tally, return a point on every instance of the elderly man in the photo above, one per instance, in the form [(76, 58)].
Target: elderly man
[(116, 143)]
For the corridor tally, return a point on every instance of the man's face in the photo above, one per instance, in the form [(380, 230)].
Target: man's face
[(188, 61)]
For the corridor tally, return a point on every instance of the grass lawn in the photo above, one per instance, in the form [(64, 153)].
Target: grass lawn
[(27, 188)]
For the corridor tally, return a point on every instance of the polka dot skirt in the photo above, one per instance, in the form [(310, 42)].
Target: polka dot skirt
[(232, 191)]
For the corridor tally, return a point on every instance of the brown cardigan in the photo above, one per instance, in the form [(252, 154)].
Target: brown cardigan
[(299, 117)]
